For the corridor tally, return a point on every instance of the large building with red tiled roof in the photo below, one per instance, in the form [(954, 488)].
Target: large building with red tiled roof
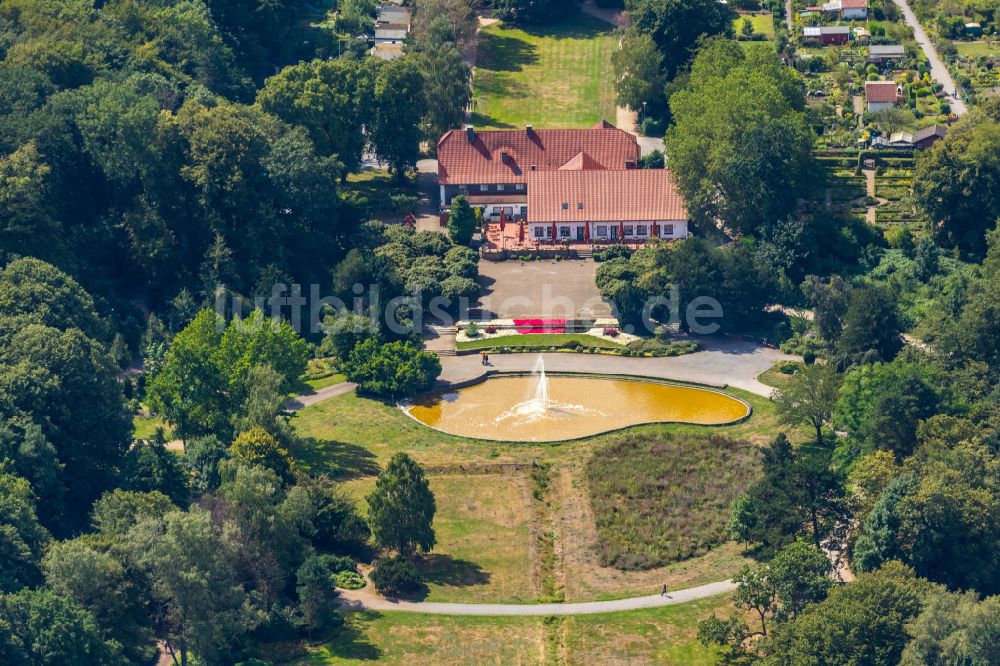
[(484, 164), (605, 205), (578, 185)]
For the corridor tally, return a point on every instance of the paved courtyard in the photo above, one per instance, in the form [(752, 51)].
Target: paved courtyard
[(556, 289)]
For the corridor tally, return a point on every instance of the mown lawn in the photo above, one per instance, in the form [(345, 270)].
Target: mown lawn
[(666, 635), (763, 24), (664, 498), (482, 526), (539, 340), (546, 76), (323, 382), (980, 48)]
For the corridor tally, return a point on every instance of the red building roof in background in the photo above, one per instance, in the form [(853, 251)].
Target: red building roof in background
[(880, 91), (481, 159), (605, 195), (854, 4)]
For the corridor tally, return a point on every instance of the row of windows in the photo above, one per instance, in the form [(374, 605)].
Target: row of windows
[(507, 210), (499, 187), (603, 231)]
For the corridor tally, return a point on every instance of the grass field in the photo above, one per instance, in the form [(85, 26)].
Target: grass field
[(540, 339), (979, 48), (145, 427), (482, 528), (662, 499), (551, 76), (323, 382), (763, 24), (664, 635)]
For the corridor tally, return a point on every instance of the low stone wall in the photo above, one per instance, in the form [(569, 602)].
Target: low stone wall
[(539, 254)]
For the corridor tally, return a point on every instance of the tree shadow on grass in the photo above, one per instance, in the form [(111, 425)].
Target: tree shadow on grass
[(350, 643), (573, 26), (505, 53), (442, 569), (338, 460)]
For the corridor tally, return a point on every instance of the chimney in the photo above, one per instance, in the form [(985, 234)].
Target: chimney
[(470, 133), (504, 156), (527, 129)]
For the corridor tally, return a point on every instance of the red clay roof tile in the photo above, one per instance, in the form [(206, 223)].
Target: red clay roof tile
[(480, 161), (622, 195)]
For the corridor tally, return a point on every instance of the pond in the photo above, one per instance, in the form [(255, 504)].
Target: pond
[(540, 408)]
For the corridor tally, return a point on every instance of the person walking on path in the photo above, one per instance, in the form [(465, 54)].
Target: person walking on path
[(664, 593), (486, 359)]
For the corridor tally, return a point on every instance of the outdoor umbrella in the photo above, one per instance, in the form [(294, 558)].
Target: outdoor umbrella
[(520, 231), (503, 222), (656, 230), (555, 232), (621, 231), (586, 231)]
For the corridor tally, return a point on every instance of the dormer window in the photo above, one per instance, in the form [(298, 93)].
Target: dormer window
[(579, 205)]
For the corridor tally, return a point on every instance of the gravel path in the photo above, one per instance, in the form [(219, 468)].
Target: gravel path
[(725, 362), (366, 599), (300, 401)]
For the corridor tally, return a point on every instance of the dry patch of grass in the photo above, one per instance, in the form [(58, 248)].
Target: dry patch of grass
[(413, 638), (662, 499), (666, 635), (482, 524)]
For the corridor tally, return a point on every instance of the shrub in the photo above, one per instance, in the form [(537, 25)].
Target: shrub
[(394, 576), (257, 446), (472, 331), (349, 580), (491, 329), (394, 369), (808, 358)]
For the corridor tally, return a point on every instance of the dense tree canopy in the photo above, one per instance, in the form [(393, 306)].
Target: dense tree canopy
[(958, 181), (742, 153)]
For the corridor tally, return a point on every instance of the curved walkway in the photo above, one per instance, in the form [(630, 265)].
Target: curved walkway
[(367, 600), (720, 362)]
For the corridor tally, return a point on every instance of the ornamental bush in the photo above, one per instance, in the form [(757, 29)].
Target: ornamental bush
[(394, 576)]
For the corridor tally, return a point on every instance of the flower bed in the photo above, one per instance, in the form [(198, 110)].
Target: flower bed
[(539, 326)]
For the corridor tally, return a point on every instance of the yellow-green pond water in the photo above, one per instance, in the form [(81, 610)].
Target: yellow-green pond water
[(540, 409)]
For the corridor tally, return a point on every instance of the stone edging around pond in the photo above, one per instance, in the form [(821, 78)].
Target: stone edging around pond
[(489, 374)]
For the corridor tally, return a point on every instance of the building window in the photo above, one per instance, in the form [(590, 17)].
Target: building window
[(524, 210), (641, 230), (519, 186), (496, 211), (668, 230), (602, 230), (579, 205), (539, 232), (563, 232), (499, 187), (508, 210), (629, 230), (484, 188), (463, 188)]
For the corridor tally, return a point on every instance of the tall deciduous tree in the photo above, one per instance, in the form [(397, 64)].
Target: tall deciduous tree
[(401, 508), (677, 26), (330, 98), (809, 397), (958, 182), (398, 107), (742, 152)]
